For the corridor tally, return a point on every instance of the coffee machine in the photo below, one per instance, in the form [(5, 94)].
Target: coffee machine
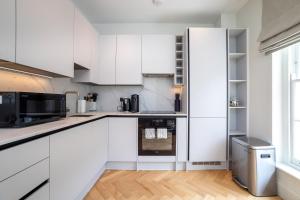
[(129, 104), (125, 104)]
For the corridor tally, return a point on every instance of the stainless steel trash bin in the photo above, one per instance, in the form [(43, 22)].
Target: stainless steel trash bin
[(260, 178)]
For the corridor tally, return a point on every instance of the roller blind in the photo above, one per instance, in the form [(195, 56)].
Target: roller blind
[(280, 24)]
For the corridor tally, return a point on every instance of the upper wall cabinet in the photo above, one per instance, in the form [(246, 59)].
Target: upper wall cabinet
[(81, 74), (7, 30), (107, 59), (82, 40), (45, 33), (158, 54), (128, 60)]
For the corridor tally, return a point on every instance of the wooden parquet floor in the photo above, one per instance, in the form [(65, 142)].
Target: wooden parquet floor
[(169, 185)]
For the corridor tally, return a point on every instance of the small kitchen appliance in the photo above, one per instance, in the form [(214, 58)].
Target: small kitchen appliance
[(19, 109), (134, 103), (125, 104)]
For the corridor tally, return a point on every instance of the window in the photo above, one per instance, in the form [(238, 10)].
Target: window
[(286, 63), (294, 60)]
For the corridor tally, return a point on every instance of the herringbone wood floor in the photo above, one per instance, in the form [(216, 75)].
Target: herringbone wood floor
[(163, 185)]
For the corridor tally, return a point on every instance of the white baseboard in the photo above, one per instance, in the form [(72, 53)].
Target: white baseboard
[(121, 165), (91, 184), (156, 166)]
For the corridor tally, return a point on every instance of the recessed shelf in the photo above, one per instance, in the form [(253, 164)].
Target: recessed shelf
[(236, 32), (237, 107), (237, 81), (237, 132), (236, 55)]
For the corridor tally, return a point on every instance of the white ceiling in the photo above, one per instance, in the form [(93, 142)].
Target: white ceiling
[(171, 11)]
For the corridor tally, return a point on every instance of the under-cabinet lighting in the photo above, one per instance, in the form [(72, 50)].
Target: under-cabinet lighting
[(23, 72)]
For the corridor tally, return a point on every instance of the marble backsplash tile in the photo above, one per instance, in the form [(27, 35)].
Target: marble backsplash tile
[(156, 93)]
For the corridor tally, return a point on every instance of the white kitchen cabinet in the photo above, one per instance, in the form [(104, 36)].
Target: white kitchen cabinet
[(82, 40), (107, 59), (45, 32), (77, 155), (91, 75), (182, 139), (122, 139), (128, 60), (7, 30), (208, 72), (207, 139), (158, 54), (21, 184), (20, 157)]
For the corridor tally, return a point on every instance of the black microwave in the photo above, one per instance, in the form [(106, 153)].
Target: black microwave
[(20, 109)]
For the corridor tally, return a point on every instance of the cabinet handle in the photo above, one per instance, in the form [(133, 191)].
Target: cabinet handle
[(34, 190)]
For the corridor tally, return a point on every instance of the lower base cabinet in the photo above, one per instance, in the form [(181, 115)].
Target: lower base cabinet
[(122, 139), (77, 155), (207, 141)]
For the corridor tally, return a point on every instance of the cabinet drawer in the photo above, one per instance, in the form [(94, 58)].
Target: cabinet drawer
[(18, 158), (24, 182), (41, 194)]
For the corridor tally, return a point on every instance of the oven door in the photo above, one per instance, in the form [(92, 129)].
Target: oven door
[(38, 108), (157, 137)]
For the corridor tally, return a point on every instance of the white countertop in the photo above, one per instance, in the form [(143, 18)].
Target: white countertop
[(9, 135)]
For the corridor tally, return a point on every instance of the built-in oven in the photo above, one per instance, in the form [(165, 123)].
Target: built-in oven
[(157, 136), (19, 109)]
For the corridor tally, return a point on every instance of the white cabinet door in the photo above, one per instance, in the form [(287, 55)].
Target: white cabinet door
[(122, 139), (182, 139), (207, 139), (208, 72), (158, 54), (107, 59), (45, 30), (82, 40), (76, 157), (7, 30), (128, 62)]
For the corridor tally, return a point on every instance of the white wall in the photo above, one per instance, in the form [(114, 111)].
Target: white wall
[(260, 67), (146, 28)]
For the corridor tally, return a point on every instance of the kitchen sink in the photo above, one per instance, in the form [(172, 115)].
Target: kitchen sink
[(81, 115)]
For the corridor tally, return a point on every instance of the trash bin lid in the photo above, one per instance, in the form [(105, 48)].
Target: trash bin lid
[(253, 143)]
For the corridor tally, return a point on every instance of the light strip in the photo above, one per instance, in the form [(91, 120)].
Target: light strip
[(23, 72)]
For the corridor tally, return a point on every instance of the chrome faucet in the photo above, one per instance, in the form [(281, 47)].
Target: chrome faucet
[(71, 92)]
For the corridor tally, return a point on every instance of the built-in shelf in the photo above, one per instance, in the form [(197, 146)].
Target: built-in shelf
[(234, 32), (237, 107), (237, 132), (237, 81), (179, 68), (236, 55)]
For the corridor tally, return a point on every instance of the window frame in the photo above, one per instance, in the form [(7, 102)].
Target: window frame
[(293, 59)]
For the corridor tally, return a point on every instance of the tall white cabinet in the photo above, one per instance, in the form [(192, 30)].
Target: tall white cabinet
[(45, 30), (207, 94), (7, 30)]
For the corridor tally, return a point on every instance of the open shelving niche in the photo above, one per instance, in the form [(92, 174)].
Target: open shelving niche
[(179, 68), (237, 85)]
